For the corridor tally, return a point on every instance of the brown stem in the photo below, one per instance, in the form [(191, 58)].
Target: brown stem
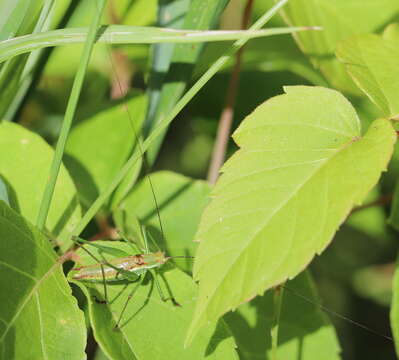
[(122, 68), (226, 117), (382, 200)]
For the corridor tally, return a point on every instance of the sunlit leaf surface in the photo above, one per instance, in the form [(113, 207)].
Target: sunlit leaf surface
[(373, 63), (24, 167), (99, 146), (39, 317), (150, 328), (339, 20), (301, 167)]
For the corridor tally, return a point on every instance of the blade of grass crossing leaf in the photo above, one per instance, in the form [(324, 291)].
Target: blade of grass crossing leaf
[(122, 34), (96, 206), (69, 114)]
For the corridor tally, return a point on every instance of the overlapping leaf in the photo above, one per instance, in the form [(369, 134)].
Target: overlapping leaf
[(39, 318), (373, 63), (150, 328), (180, 200), (24, 165), (304, 330), (99, 146), (339, 19), (302, 166)]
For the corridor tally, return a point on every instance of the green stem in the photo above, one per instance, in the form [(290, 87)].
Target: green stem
[(278, 301), (69, 114), (164, 122)]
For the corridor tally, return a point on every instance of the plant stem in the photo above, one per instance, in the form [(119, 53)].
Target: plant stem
[(168, 118), (381, 201), (69, 114), (278, 301), (226, 118)]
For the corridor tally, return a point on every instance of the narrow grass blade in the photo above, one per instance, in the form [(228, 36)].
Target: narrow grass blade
[(121, 34), (169, 118), (69, 114)]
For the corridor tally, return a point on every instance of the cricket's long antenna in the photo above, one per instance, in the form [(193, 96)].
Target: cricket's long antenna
[(146, 169), (336, 314)]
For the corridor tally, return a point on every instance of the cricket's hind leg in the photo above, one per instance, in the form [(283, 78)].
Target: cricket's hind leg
[(160, 292)]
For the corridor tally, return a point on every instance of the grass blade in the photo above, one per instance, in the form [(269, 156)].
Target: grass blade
[(121, 34), (169, 118), (69, 114)]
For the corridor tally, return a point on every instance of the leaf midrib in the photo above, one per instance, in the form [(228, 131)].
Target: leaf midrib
[(312, 174)]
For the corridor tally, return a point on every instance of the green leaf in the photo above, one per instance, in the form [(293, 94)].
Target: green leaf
[(181, 201), (98, 147), (304, 330), (391, 32), (373, 63), (25, 168), (395, 308), (151, 328), (339, 20), (301, 168), (39, 317)]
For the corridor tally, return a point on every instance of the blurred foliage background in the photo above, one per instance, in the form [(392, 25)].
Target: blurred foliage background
[(354, 275)]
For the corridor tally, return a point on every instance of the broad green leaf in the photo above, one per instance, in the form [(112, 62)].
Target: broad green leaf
[(152, 329), (301, 168), (395, 308), (339, 20), (305, 332), (391, 32), (25, 167), (181, 201), (99, 146), (373, 63), (39, 317)]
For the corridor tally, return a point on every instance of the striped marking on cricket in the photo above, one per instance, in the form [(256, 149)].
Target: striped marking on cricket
[(137, 264)]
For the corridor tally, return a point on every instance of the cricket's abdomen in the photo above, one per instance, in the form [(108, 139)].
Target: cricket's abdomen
[(136, 264)]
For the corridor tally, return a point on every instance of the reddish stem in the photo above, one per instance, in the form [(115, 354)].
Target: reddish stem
[(226, 117)]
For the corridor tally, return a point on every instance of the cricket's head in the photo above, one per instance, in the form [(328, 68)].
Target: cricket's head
[(159, 257)]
